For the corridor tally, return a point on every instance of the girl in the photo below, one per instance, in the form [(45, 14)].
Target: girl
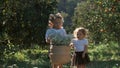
[(80, 45), (55, 24), (57, 28)]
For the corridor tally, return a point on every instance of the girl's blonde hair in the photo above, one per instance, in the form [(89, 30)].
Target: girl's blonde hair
[(56, 18), (82, 29)]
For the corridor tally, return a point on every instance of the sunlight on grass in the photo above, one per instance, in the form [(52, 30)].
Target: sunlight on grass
[(102, 56)]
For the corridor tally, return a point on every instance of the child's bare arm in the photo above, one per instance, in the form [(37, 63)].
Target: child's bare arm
[(85, 51)]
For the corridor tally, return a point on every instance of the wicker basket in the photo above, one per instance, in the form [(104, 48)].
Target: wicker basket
[(60, 54)]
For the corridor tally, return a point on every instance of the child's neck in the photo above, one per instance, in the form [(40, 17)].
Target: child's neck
[(57, 27), (80, 38)]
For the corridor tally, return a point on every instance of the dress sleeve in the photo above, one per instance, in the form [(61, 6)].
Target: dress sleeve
[(86, 42)]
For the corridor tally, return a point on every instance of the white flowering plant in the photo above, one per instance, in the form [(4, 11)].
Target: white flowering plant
[(60, 40)]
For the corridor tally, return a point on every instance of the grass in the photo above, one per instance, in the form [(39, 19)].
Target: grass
[(104, 64), (102, 56)]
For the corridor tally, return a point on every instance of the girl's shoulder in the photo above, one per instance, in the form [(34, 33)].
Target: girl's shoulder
[(50, 30), (85, 39)]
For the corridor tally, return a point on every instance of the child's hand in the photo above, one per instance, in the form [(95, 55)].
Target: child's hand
[(83, 55), (71, 44), (48, 40)]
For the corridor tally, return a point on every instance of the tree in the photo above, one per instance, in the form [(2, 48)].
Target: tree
[(101, 17), (66, 7), (24, 22)]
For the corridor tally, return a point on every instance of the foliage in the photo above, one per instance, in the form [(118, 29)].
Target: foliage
[(28, 58), (58, 39), (66, 7), (101, 17), (102, 55), (104, 52), (7, 50), (24, 22)]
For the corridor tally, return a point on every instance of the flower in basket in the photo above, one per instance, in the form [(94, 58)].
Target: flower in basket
[(59, 40)]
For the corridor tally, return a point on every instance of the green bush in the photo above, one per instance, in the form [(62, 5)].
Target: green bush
[(104, 52)]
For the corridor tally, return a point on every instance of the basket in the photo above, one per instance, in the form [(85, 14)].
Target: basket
[(60, 54)]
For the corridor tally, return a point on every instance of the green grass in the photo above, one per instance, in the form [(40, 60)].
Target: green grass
[(104, 64), (102, 56)]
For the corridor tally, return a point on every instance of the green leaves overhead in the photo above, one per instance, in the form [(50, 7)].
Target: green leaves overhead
[(25, 21)]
